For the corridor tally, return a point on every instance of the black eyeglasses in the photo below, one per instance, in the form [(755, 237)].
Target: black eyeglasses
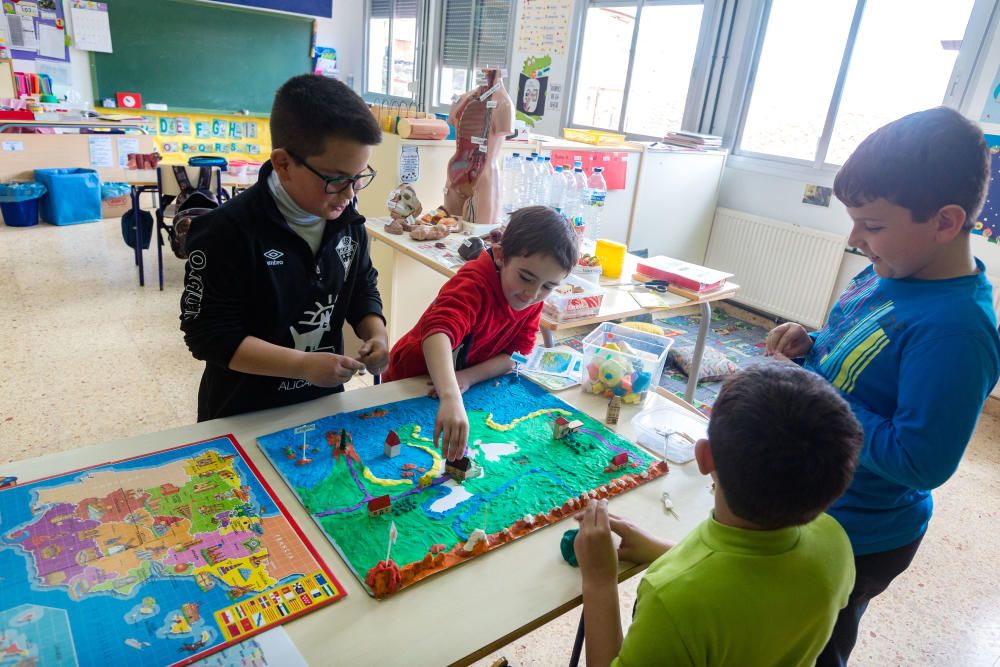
[(337, 184)]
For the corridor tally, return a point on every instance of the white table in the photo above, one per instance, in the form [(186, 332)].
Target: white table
[(454, 617)]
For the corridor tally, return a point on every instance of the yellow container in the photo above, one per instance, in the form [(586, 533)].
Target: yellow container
[(612, 256), (595, 137)]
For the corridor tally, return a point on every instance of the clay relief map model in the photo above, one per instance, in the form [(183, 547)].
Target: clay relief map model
[(155, 560), (397, 512)]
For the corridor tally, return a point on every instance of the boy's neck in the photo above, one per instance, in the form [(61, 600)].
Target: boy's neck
[(954, 261), (725, 516)]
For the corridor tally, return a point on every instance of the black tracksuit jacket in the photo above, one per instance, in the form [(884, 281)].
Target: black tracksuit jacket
[(249, 274)]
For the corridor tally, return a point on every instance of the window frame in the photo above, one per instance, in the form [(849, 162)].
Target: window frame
[(967, 64), (698, 87), (419, 59), (436, 57)]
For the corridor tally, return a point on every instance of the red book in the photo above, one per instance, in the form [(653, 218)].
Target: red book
[(689, 276)]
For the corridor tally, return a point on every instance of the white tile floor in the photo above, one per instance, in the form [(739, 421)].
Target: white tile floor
[(88, 356)]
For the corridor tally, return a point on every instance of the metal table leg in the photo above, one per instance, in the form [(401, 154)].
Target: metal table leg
[(699, 349)]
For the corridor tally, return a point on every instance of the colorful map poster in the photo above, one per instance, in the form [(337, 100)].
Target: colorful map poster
[(397, 513), (157, 560), (988, 223)]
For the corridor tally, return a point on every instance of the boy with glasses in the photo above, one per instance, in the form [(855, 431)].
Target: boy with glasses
[(273, 274)]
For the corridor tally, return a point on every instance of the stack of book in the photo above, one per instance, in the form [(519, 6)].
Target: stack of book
[(693, 140)]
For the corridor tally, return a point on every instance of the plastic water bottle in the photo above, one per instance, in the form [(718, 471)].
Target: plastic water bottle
[(529, 183), (569, 207), (557, 190), (579, 195), (511, 182), (598, 191), (543, 169)]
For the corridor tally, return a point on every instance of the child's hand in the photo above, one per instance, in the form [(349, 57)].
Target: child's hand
[(637, 545), (594, 546), (461, 377), (451, 426), (374, 354), (789, 339), (325, 369)]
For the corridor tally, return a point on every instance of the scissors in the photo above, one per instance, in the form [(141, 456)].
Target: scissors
[(655, 285)]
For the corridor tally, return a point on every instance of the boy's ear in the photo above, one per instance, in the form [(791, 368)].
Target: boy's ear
[(703, 456), (281, 160), (498, 254), (949, 220)]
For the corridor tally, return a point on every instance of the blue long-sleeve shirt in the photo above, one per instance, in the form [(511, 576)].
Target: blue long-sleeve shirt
[(915, 359)]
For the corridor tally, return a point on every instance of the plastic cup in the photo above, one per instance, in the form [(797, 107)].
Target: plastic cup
[(612, 256)]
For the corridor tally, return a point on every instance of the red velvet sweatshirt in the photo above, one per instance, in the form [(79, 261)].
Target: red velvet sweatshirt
[(473, 312)]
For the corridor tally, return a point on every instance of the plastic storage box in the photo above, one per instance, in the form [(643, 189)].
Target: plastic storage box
[(73, 195), (574, 299), (619, 361)]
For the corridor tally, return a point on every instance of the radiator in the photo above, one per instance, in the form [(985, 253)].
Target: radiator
[(782, 269)]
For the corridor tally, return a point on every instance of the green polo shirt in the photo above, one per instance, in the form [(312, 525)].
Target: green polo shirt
[(728, 596)]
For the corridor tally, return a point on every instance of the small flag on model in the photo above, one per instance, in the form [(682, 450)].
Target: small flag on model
[(393, 534)]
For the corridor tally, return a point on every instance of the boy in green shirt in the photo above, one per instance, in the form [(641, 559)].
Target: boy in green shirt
[(762, 580)]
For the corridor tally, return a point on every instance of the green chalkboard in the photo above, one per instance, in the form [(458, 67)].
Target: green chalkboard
[(195, 56)]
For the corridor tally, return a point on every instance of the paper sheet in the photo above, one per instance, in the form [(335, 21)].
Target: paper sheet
[(126, 145), (91, 29), (273, 648), (649, 299), (51, 42), (101, 152)]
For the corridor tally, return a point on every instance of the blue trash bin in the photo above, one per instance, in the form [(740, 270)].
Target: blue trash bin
[(19, 203), (74, 195)]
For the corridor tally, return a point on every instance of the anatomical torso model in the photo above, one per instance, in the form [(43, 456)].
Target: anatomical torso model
[(482, 118)]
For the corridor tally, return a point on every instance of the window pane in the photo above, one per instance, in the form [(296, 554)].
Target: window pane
[(453, 82), (664, 56), (607, 40), (803, 48), (898, 66), (404, 45), (378, 50)]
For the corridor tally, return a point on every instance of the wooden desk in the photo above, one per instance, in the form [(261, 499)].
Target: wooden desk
[(456, 617), (63, 151), (618, 303)]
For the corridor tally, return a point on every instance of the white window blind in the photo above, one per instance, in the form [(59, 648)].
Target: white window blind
[(474, 34)]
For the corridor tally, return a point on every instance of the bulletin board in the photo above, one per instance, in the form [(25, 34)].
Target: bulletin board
[(36, 29), (179, 135), (205, 57)]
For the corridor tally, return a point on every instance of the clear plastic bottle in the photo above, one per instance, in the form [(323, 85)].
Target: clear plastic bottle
[(511, 182), (580, 198), (529, 183), (557, 190), (569, 207), (597, 189)]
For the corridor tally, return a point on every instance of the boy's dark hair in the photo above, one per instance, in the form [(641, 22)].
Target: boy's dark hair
[(308, 109), (785, 444), (922, 162), (534, 229)]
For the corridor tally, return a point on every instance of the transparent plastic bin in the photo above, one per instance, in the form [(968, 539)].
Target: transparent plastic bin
[(575, 299), (669, 431), (624, 362)]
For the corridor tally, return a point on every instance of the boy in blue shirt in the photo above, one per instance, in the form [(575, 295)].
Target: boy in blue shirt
[(912, 344)]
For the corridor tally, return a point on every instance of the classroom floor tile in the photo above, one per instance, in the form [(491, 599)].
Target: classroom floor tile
[(89, 356)]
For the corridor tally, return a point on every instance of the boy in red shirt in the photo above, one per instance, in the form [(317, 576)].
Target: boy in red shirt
[(486, 311)]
